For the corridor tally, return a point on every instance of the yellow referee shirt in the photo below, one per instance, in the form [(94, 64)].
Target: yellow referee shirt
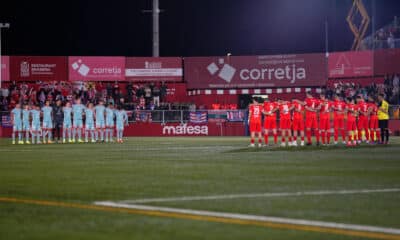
[(383, 111)]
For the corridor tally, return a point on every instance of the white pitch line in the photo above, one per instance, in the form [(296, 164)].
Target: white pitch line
[(261, 195), (303, 222)]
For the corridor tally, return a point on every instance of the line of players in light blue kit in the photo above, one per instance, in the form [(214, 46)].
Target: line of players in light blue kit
[(100, 123)]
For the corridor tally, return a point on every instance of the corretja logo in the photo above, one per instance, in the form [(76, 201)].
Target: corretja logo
[(84, 70), (289, 72)]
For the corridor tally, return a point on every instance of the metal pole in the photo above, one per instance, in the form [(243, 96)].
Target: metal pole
[(326, 50), (373, 24), (1, 63), (2, 25), (156, 34), (326, 38)]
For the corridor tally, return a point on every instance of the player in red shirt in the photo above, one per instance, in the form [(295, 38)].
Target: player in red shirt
[(363, 115), (255, 113), (269, 111), (338, 123), (312, 106), (374, 129), (298, 121), (325, 119), (351, 110), (285, 123)]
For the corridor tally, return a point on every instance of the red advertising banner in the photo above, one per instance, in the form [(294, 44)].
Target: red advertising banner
[(176, 92), (43, 68), (387, 61), (5, 68), (96, 68), (350, 64), (186, 129), (255, 71), (154, 69)]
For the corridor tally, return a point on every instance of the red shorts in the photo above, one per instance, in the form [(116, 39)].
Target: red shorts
[(351, 124), (324, 123), (373, 123), (311, 121), (270, 123), (363, 122), (255, 126), (338, 122), (298, 124), (285, 123)]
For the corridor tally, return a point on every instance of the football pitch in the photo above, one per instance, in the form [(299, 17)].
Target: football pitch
[(198, 188)]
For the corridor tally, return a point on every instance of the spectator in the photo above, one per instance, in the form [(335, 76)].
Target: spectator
[(142, 103), (110, 100), (156, 96), (390, 40), (147, 93), (129, 91), (163, 91)]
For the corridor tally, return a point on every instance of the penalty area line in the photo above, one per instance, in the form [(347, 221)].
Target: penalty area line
[(261, 195), (264, 221)]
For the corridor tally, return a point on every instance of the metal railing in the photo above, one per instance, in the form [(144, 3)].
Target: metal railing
[(183, 116), (161, 116)]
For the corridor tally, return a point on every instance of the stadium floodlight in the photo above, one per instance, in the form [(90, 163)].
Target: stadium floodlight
[(2, 25)]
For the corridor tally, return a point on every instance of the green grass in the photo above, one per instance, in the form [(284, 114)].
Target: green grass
[(174, 167)]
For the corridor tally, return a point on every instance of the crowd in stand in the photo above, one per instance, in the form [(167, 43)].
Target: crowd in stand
[(133, 96), (130, 96), (390, 88), (385, 37)]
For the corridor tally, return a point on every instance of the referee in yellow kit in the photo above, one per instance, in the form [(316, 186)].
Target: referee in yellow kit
[(383, 118)]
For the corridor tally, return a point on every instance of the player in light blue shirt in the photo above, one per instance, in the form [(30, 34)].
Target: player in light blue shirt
[(89, 123), (67, 122), (77, 110), (100, 123), (36, 124), (26, 113), (47, 122), (16, 120), (121, 119), (110, 115)]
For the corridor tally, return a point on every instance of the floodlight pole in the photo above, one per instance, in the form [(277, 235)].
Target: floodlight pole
[(156, 33), (326, 38), (2, 25)]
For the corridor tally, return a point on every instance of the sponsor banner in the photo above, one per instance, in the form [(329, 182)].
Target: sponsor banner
[(187, 129), (387, 61), (350, 64), (42, 68), (6, 121), (143, 116), (198, 117), (176, 92), (96, 68), (255, 71), (217, 115), (235, 116), (153, 69), (5, 68)]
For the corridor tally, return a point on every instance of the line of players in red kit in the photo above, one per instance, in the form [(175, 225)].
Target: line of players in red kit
[(301, 117)]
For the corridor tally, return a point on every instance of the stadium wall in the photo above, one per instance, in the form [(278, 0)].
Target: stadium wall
[(174, 129), (182, 130)]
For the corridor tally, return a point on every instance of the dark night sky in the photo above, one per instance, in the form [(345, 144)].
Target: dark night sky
[(188, 27)]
